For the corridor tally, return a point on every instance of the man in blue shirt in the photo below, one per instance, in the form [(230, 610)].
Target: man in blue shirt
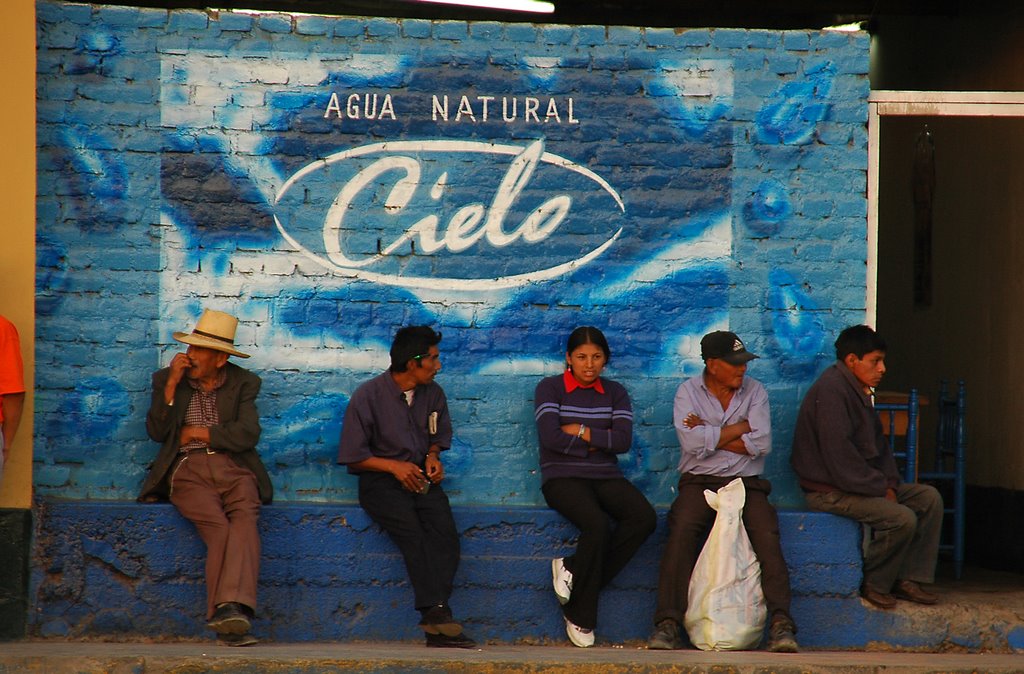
[(395, 428), (723, 423)]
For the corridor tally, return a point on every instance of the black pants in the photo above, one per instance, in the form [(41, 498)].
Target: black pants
[(422, 527), (689, 523), (602, 549)]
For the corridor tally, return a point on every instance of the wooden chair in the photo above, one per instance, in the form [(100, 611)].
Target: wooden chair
[(899, 414), (900, 424), (949, 471)]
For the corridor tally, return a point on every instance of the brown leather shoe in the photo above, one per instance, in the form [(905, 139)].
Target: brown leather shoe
[(911, 591), (875, 598)]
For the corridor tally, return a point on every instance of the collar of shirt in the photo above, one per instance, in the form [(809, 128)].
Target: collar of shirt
[(867, 398), (571, 383), (405, 396)]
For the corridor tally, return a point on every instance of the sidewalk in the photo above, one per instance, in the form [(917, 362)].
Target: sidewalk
[(316, 658), (983, 609)]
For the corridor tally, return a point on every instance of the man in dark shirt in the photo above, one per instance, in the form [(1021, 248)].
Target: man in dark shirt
[(203, 411), (846, 467), (395, 428)]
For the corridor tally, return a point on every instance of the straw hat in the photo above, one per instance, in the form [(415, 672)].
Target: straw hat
[(215, 330)]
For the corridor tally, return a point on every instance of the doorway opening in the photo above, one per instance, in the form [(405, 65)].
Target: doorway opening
[(946, 282)]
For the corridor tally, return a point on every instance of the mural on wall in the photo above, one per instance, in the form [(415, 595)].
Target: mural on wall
[(331, 179)]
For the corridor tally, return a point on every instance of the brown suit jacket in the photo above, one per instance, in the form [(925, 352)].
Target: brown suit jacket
[(236, 434)]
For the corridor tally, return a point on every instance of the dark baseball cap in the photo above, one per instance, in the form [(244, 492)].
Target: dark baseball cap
[(725, 346)]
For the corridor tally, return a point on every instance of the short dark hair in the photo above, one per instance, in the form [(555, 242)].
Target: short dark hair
[(858, 340), (410, 342), (588, 335)]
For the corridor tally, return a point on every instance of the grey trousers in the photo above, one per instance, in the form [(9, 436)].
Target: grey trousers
[(904, 541), (221, 499)]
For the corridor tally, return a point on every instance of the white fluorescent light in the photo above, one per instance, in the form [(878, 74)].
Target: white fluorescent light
[(847, 27), (511, 5)]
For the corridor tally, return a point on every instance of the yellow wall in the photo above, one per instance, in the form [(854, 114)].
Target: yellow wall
[(18, 228)]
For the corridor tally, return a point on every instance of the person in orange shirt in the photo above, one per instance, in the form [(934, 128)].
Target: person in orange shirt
[(12, 388)]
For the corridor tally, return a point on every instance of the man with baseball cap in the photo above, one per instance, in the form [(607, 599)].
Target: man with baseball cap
[(723, 424), (203, 411)]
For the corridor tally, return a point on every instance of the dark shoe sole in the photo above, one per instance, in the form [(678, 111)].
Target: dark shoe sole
[(230, 625), (237, 640), (449, 641), (883, 604), (785, 646), (927, 601)]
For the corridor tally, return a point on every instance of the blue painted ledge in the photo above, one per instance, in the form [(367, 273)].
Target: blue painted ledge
[(123, 569)]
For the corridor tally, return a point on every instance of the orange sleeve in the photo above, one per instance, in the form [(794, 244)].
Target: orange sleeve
[(12, 376)]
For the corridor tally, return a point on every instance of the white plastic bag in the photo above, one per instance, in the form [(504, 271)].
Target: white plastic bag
[(726, 609)]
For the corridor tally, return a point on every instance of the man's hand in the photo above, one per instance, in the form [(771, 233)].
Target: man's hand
[(435, 470), (890, 495), (692, 421), (179, 365), (409, 475), (729, 439)]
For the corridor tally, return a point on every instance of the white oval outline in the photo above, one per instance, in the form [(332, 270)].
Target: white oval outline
[(448, 283)]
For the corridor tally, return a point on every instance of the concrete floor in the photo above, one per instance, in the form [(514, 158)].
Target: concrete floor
[(82, 658)]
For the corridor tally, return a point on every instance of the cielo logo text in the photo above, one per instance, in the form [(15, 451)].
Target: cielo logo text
[(459, 214)]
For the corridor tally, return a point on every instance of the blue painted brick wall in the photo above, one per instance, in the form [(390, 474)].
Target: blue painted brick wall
[(190, 159), (116, 570), (723, 169), (123, 570)]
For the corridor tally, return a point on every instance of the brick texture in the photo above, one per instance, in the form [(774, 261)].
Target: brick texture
[(306, 174)]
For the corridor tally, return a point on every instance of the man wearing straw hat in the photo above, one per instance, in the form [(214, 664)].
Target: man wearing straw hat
[(203, 411)]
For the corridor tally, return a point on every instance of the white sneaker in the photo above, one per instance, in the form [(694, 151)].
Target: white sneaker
[(579, 636), (561, 579)]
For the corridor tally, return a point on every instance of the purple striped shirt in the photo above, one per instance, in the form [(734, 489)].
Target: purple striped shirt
[(608, 415)]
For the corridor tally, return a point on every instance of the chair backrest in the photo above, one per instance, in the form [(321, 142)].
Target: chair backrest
[(950, 473), (951, 429), (900, 421)]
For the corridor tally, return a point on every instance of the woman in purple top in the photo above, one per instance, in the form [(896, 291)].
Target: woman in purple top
[(583, 423)]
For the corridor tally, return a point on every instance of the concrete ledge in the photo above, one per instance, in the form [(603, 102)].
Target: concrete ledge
[(100, 658), (122, 569)]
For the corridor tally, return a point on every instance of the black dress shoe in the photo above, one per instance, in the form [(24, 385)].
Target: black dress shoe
[(444, 641), (911, 591), (237, 639), (439, 620), (879, 599), (230, 618)]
